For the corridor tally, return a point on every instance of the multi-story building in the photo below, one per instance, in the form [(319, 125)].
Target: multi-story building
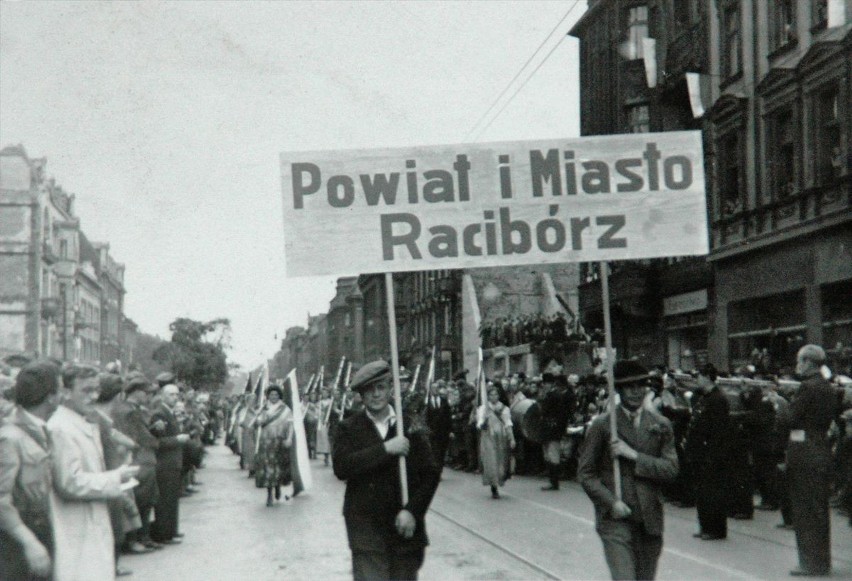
[(769, 85), (111, 277), (55, 283)]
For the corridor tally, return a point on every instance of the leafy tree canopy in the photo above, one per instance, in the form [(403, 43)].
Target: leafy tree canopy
[(197, 352)]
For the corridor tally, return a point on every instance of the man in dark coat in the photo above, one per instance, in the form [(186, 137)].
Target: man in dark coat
[(557, 407), (809, 462), (387, 538), (707, 447), (439, 418), (630, 528), (164, 426), (130, 419)]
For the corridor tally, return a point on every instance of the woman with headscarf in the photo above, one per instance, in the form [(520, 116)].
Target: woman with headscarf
[(274, 427), (495, 440)]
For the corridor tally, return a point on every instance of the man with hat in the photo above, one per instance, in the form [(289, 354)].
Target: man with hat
[(630, 527), (387, 538), (130, 418), (557, 406)]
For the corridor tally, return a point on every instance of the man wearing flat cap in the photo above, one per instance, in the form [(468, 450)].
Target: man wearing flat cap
[(630, 528), (387, 538)]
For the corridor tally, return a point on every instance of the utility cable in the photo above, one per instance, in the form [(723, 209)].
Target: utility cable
[(520, 72)]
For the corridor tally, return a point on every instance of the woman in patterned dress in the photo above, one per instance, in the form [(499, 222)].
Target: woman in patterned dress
[(274, 427), (495, 440)]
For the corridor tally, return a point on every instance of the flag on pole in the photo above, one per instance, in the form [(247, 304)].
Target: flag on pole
[(430, 375), (480, 380), (299, 460), (248, 384)]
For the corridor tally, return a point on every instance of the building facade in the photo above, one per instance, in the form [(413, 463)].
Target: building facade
[(56, 284), (768, 84)]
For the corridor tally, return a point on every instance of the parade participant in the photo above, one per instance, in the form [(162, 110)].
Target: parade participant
[(249, 442), (326, 404), (26, 539), (311, 421), (630, 528), (809, 462), (130, 418), (557, 406), (164, 425), (387, 539), (495, 441), (708, 446), (439, 419), (275, 439), (82, 484)]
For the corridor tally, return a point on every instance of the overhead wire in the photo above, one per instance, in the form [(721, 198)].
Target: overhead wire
[(523, 68), (519, 89)]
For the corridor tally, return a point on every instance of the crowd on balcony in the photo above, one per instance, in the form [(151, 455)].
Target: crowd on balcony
[(534, 329)]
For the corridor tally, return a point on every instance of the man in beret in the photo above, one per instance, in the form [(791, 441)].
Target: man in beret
[(26, 539), (387, 538), (630, 527)]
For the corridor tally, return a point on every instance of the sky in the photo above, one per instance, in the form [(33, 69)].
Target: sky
[(166, 120)]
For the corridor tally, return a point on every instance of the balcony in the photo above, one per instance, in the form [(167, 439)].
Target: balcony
[(50, 307), (47, 253)]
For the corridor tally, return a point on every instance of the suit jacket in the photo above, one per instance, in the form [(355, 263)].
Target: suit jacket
[(169, 452), (440, 422), (708, 440), (640, 480), (373, 497), (814, 406)]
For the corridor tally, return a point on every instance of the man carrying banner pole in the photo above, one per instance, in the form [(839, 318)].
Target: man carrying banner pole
[(628, 452), (386, 497)]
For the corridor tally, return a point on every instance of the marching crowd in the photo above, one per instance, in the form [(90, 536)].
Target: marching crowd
[(93, 464), (722, 441)]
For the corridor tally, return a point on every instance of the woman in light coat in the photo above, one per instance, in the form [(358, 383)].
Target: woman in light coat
[(274, 427), (495, 440)]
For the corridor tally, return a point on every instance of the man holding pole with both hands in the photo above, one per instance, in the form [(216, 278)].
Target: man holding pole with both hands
[(628, 509)]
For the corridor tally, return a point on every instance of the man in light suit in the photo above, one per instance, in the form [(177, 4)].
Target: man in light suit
[(631, 528), (387, 538)]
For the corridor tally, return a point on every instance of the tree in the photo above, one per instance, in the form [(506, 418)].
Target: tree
[(143, 354), (196, 353)]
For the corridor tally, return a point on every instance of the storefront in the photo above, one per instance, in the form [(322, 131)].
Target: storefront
[(685, 324)]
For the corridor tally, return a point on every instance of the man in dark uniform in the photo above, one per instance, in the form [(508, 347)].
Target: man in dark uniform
[(164, 426), (439, 418), (707, 447), (630, 528), (809, 463), (387, 538), (557, 407)]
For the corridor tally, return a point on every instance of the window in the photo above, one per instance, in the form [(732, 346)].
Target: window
[(819, 15), (638, 119), (782, 145), (637, 29), (829, 156), (683, 14), (63, 249), (730, 200), (782, 23), (731, 61)]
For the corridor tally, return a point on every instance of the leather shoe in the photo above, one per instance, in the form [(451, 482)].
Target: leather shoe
[(171, 542), (806, 573), (137, 549), (153, 545), (121, 572)]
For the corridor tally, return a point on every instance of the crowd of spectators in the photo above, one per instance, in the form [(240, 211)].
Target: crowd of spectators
[(93, 463)]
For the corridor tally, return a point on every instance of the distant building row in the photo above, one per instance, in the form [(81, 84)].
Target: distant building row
[(61, 295)]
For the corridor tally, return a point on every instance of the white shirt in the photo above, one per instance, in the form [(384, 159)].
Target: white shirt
[(383, 426)]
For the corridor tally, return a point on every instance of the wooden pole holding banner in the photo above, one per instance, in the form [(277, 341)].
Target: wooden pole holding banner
[(610, 378), (397, 390)]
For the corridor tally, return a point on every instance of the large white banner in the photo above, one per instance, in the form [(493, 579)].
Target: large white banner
[(612, 197)]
